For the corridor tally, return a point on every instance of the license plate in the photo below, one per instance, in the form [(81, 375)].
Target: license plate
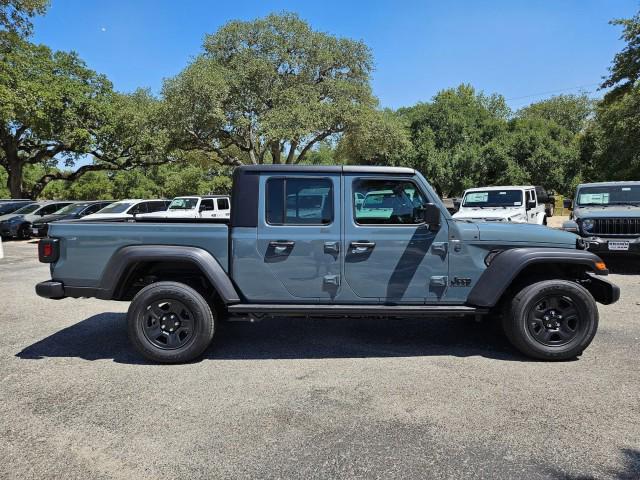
[(618, 245), (35, 231)]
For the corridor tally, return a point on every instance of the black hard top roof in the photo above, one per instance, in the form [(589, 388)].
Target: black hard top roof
[(327, 169)]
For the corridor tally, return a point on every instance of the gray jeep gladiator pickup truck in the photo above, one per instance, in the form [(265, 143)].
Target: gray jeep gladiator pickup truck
[(607, 216), (330, 241)]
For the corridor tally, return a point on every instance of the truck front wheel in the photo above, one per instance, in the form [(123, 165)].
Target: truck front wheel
[(170, 322), (551, 320)]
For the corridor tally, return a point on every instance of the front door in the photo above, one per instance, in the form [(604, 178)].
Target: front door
[(299, 233), (390, 254)]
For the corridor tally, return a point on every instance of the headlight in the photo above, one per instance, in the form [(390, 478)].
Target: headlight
[(587, 225)]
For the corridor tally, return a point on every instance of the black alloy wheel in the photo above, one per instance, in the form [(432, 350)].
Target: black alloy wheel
[(551, 320), (170, 322), (554, 321)]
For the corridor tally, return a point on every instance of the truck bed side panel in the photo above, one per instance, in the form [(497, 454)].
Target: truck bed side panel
[(91, 245)]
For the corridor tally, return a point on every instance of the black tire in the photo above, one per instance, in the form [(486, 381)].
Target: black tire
[(551, 320), (544, 221), (24, 233), (170, 322)]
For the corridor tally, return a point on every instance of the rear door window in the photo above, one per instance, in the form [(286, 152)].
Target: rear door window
[(138, 209), (223, 204), (299, 201), (206, 205)]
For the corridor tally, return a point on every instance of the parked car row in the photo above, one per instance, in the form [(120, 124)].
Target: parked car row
[(606, 215), (23, 219)]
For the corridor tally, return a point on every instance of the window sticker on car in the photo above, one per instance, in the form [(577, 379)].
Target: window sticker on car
[(594, 198), (626, 189), (517, 204), (477, 196)]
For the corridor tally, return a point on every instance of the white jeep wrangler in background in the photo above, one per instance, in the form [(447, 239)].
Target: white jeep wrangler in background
[(517, 204)]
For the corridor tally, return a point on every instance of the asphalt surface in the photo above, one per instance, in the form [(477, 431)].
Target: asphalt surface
[(308, 399)]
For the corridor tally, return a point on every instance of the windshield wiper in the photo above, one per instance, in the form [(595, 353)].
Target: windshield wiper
[(624, 203)]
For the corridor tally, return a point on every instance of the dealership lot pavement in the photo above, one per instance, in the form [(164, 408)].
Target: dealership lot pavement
[(308, 399)]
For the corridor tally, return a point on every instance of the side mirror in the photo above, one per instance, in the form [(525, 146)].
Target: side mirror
[(531, 204), (431, 216), (567, 203)]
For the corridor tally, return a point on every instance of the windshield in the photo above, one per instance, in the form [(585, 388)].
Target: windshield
[(10, 207), (609, 195), (493, 198), (183, 203), (73, 208), (28, 209), (117, 207)]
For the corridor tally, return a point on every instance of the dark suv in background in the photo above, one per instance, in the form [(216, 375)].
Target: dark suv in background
[(40, 227), (607, 216)]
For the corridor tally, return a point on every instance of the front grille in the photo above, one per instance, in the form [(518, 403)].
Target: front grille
[(616, 226)]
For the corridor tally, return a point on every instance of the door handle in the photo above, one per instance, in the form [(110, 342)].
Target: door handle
[(281, 246), (361, 247), (332, 248)]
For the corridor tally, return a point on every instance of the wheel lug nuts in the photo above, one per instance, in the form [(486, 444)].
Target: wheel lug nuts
[(177, 323), (164, 326)]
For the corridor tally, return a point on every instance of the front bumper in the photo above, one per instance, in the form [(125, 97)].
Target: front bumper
[(9, 229), (601, 245)]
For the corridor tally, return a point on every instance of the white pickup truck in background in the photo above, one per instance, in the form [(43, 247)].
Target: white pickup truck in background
[(208, 206), (517, 204)]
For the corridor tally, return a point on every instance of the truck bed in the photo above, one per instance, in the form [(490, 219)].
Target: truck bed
[(92, 243)]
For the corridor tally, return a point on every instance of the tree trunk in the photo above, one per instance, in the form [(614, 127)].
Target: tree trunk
[(14, 173)]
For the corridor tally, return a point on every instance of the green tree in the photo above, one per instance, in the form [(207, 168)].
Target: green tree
[(450, 133), (378, 138), (625, 71), (15, 15), (611, 147), (268, 90), (53, 109), (568, 111)]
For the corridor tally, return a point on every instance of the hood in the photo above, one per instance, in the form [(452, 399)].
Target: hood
[(525, 233), (9, 216), (497, 213), (628, 211)]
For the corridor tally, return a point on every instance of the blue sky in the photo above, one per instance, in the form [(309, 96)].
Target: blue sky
[(525, 50)]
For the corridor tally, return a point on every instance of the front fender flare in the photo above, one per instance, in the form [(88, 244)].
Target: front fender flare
[(122, 260), (506, 266)]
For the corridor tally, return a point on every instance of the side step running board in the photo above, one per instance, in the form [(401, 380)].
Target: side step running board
[(356, 310)]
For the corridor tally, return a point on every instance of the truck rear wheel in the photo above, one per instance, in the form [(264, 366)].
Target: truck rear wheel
[(170, 322), (551, 320)]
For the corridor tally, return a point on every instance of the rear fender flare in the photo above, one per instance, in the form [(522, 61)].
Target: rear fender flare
[(126, 257)]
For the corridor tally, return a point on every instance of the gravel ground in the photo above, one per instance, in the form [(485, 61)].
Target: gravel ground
[(308, 399)]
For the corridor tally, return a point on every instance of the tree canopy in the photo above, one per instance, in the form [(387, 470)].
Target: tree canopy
[(269, 90), (625, 70), (15, 15), (54, 109)]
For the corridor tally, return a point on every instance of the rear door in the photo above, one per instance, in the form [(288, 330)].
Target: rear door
[(390, 254), (207, 208), (299, 233)]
